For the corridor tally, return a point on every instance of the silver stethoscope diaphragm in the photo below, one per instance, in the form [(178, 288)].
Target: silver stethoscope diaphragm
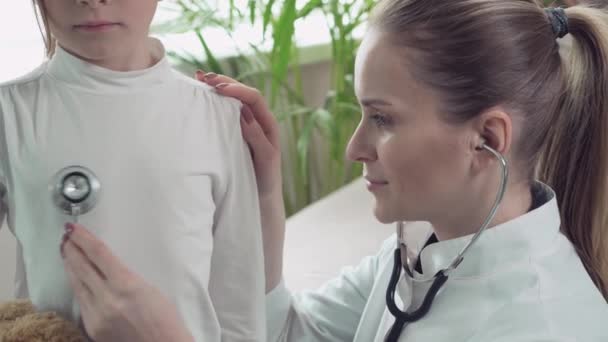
[(75, 190)]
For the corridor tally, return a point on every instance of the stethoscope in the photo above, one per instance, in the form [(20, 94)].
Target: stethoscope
[(75, 190), (402, 260)]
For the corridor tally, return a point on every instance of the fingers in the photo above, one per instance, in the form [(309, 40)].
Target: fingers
[(213, 79), (96, 253), (248, 95), (254, 135), (233, 88), (81, 275), (259, 126), (84, 296), (80, 266), (256, 105)]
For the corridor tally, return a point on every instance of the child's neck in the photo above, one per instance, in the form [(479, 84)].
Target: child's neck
[(135, 58)]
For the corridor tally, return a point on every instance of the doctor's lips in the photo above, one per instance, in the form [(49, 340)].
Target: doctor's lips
[(374, 184), (96, 26)]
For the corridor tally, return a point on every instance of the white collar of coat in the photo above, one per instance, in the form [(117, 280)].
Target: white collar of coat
[(509, 244)]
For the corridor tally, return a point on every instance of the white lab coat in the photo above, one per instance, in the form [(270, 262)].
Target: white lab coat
[(521, 282)]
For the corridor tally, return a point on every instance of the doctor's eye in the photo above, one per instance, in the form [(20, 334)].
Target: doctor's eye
[(380, 119)]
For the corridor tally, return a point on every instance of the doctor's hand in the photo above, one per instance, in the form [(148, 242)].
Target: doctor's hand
[(261, 132), (116, 304)]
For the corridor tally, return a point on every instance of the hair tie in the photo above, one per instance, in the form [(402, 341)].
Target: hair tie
[(559, 21)]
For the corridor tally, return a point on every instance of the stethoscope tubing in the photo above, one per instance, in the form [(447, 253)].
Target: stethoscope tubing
[(440, 278)]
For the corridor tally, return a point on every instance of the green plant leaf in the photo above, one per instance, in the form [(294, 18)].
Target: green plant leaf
[(283, 44), (326, 121), (252, 7), (211, 60), (297, 111), (277, 74), (231, 12), (304, 142), (309, 7), (187, 59), (267, 15)]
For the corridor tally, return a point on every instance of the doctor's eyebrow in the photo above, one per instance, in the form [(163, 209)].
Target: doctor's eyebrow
[(374, 102)]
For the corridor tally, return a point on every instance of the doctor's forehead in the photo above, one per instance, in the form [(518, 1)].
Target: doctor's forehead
[(380, 68)]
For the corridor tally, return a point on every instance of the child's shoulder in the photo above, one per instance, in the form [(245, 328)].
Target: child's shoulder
[(207, 94), (28, 78)]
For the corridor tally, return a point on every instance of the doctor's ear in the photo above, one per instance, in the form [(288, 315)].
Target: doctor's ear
[(494, 129)]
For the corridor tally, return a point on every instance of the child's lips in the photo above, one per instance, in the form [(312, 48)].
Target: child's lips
[(96, 26)]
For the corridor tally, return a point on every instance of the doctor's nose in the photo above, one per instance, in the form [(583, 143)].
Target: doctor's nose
[(360, 147)]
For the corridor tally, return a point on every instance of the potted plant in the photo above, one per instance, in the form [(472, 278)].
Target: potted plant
[(315, 135)]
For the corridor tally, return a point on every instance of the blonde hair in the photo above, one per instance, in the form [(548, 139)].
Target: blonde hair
[(43, 23), (575, 157), (477, 54)]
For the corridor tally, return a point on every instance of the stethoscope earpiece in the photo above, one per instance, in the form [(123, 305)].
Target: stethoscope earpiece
[(482, 145), (75, 190)]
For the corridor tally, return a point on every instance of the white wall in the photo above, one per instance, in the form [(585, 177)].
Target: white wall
[(337, 231), (21, 47)]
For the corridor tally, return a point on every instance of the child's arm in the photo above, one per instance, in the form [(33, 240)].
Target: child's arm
[(20, 290), (3, 160), (236, 285), (3, 205)]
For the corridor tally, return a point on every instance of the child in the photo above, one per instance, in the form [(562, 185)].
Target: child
[(178, 198)]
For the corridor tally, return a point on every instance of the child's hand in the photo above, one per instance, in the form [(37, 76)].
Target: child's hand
[(115, 303), (260, 130)]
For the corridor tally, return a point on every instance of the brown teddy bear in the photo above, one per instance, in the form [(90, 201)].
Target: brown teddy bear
[(20, 322)]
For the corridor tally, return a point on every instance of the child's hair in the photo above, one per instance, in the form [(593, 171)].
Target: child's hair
[(43, 24), (477, 54)]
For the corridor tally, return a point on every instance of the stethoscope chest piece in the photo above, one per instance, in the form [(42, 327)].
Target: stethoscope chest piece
[(75, 190)]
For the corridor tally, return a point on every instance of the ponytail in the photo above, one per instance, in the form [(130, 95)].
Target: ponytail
[(575, 159)]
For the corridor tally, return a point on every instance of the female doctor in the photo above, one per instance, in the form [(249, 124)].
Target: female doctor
[(474, 120)]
